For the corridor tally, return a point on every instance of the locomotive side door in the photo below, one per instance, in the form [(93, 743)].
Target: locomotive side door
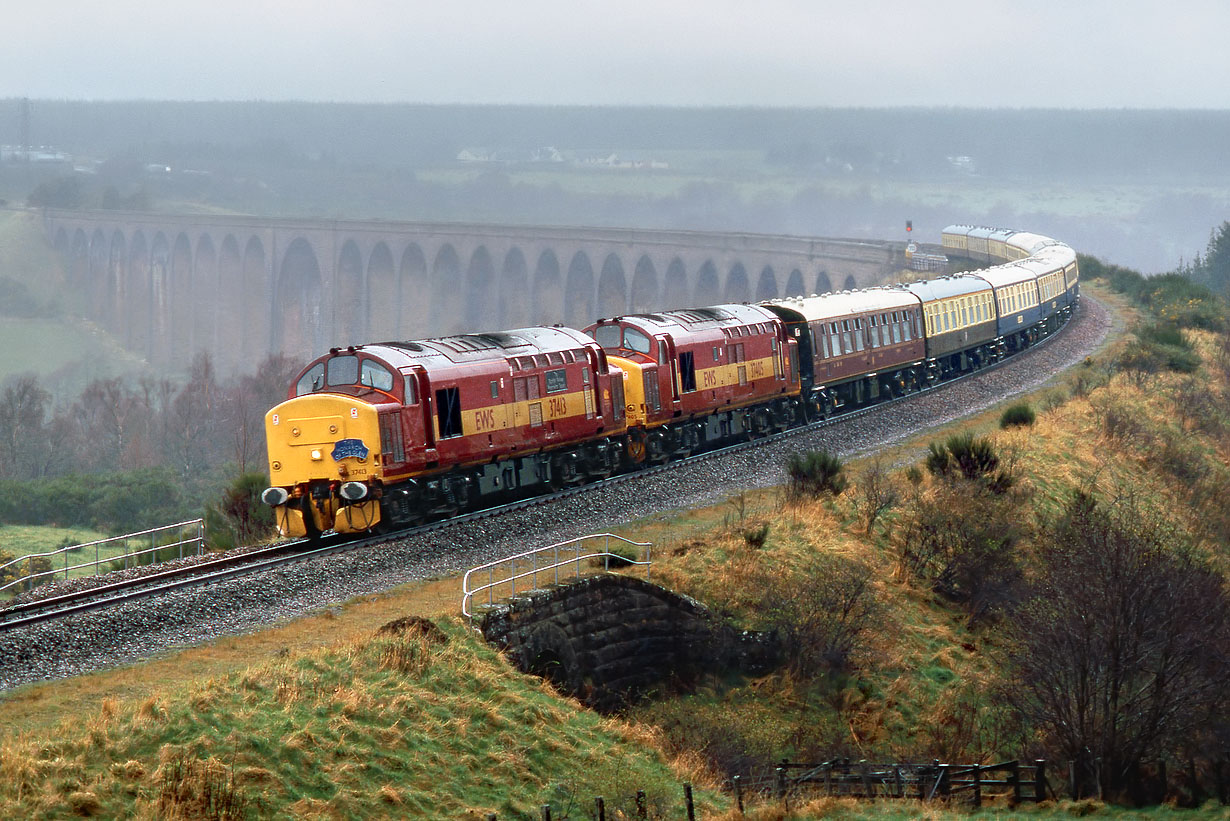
[(666, 353), (417, 419)]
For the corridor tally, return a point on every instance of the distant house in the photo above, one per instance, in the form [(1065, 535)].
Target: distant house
[(473, 155)]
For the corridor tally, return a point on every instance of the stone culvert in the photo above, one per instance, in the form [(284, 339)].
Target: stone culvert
[(609, 639)]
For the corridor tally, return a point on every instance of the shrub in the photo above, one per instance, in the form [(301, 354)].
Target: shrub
[(875, 493), (962, 542), (814, 474), (1018, 415), (973, 458), (755, 534), (240, 517), (821, 611)]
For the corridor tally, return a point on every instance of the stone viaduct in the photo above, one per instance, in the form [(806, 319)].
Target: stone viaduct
[(242, 287)]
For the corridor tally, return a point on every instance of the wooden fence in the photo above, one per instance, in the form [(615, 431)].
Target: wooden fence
[(924, 782), (797, 783)]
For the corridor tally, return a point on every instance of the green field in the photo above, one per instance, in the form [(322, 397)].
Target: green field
[(24, 540), (65, 354)]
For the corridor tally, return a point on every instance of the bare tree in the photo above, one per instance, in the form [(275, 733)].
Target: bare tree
[(23, 411), (961, 538), (1123, 652), (875, 492), (821, 610)]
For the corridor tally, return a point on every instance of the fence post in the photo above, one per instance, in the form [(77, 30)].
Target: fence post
[(600, 807), (492, 817), (945, 781), (900, 791), (865, 777), (1014, 778), (546, 812), (738, 785), (977, 786), (96, 559), (687, 801), (642, 808)]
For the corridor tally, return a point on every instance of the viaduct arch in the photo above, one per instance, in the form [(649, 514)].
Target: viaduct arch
[(243, 287)]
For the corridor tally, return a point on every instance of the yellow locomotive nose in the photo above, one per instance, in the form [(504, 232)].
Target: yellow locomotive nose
[(323, 452)]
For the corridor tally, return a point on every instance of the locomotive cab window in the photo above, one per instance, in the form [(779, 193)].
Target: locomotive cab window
[(375, 375), (311, 381), (343, 370), (634, 340), (608, 336)]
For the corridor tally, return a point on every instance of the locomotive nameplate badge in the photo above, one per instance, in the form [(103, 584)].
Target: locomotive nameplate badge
[(349, 449)]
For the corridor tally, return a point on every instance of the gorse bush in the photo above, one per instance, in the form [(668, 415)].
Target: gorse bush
[(966, 456), (814, 474), (1018, 415)]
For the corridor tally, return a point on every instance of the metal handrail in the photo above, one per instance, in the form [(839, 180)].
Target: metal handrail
[(575, 560), (198, 539)]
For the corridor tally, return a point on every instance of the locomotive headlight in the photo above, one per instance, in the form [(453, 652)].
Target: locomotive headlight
[(274, 496), (353, 491), (315, 456)]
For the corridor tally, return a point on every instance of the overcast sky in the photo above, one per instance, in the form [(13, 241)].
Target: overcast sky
[(1066, 53)]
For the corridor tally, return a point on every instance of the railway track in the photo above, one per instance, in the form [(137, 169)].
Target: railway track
[(99, 597)]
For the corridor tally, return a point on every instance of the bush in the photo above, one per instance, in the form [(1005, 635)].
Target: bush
[(814, 474), (1018, 415), (755, 534), (821, 611), (962, 542), (974, 458), (240, 518)]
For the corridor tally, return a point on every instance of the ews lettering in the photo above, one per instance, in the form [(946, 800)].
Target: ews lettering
[(484, 419), (709, 379)]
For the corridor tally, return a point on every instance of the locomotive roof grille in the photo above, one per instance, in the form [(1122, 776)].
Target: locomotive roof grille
[(703, 314)]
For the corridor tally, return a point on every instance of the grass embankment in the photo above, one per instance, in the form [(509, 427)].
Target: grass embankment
[(418, 723)]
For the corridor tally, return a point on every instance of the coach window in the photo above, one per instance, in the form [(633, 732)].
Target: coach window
[(343, 370), (858, 334), (375, 375), (311, 381)]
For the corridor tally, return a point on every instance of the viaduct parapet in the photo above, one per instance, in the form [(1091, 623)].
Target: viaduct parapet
[(243, 287), (608, 638)]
